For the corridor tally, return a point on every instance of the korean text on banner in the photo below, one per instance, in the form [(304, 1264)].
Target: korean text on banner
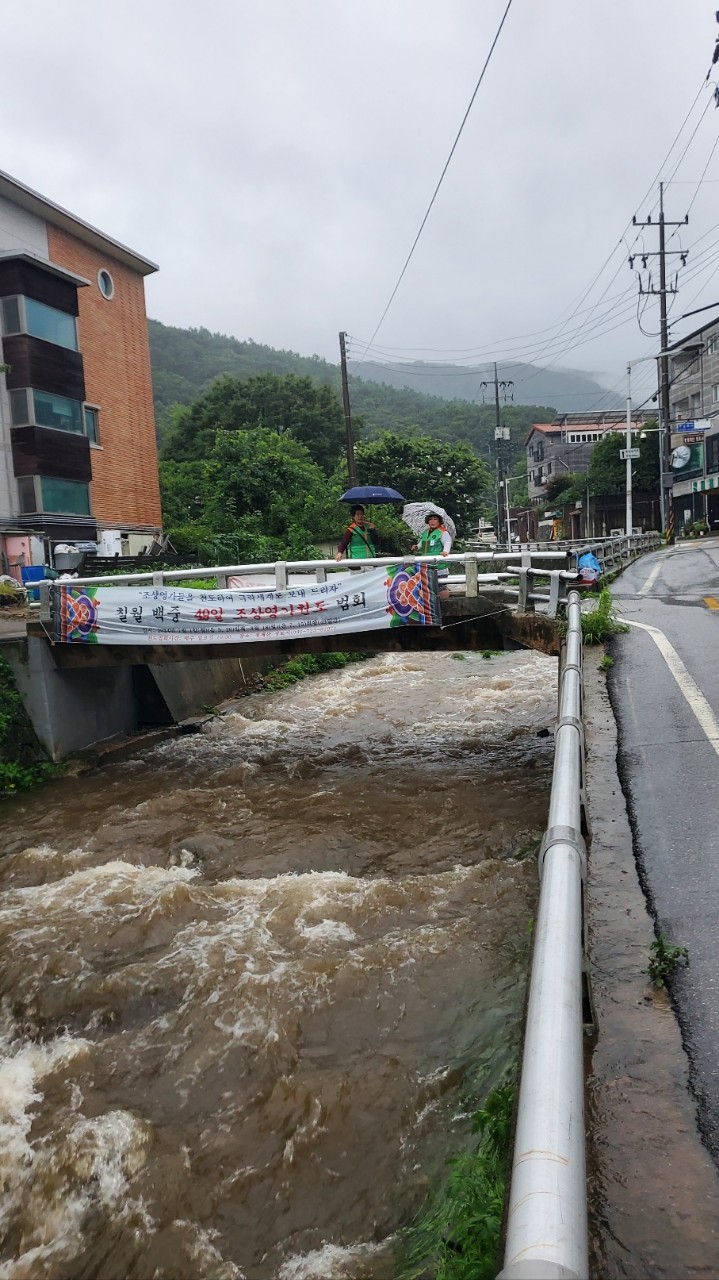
[(403, 595)]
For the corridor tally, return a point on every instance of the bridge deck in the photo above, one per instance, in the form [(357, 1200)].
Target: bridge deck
[(468, 623)]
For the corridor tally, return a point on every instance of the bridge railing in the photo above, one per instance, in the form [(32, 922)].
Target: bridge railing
[(527, 577), (547, 1213)]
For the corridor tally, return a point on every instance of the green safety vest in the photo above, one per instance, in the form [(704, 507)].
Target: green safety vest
[(430, 543), (360, 547)]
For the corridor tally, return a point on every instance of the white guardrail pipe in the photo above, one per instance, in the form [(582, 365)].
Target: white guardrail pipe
[(547, 1214)]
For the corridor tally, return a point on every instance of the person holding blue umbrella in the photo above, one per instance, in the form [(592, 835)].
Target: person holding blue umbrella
[(359, 540)]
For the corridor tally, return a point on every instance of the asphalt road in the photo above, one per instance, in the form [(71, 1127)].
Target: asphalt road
[(664, 688)]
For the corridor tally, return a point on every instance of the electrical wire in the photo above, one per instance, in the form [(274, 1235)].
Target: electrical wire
[(441, 176)]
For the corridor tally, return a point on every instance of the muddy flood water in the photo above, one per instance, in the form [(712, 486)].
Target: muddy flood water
[(251, 977)]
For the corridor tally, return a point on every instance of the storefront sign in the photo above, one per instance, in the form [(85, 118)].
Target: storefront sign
[(403, 595)]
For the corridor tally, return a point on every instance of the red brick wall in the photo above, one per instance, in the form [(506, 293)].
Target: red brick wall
[(116, 355)]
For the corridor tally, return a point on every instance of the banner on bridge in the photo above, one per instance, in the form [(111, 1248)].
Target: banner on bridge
[(402, 595)]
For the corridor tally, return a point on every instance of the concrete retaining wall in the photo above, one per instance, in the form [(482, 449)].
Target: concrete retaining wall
[(74, 709)]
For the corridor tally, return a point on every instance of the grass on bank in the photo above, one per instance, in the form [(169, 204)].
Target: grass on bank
[(21, 765), (458, 1235), (308, 664)]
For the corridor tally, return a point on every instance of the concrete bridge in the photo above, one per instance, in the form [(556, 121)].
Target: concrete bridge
[(80, 693)]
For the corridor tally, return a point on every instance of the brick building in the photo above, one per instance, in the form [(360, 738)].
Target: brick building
[(78, 457)]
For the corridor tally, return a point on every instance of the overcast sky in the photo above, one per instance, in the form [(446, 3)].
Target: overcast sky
[(275, 157)]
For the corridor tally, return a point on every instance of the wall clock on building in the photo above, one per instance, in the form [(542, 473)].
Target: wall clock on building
[(680, 457)]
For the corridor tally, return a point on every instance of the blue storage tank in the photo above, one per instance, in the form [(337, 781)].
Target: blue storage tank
[(32, 573)]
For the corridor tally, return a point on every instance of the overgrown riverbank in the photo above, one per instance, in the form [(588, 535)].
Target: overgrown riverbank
[(458, 1235), (23, 763)]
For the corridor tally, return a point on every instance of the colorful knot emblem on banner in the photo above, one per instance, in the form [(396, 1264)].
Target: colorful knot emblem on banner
[(79, 614), (411, 596)]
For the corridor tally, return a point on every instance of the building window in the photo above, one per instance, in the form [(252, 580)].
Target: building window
[(53, 496), (105, 284), (58, 411), (712, 454), (11, 322), (20, 412), (27, 495), (30, 407), (25, 315), (715, 393), (91, 415), (713, 344)]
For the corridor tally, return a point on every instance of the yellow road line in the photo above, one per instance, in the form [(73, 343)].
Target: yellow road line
[(710, 602)]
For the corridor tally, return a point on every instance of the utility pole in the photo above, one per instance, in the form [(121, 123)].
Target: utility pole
[(500, 456), (662, 291), (501, 434), (349, 437)]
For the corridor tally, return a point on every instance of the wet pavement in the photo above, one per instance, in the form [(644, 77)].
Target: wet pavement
[(653, 1186), (664, 688)]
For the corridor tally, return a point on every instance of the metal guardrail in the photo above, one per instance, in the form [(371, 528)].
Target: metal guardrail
[(547, 1214), (521, 571)]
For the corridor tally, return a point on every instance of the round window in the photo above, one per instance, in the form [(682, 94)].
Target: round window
[(106, 284)]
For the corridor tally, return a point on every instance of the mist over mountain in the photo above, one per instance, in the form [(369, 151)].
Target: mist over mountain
[(565, 389), (444, 401)]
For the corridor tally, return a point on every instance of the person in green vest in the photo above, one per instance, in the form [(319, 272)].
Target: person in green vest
[(359, 540), (435, 540)]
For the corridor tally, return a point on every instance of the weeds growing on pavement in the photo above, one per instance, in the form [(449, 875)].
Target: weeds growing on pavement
[(601, 623), (664, 960)]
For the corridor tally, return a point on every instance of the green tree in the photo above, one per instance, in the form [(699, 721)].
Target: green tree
[(565, 486), (607, 471), (271, 481), (183, 487), (295, 406), (423, 469)]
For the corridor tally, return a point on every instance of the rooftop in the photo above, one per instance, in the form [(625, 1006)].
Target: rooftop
[(33, 202)]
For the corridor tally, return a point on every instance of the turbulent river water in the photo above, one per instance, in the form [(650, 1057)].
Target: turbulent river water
[(251, 977)]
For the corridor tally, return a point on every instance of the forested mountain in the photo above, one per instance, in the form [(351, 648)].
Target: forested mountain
[(185, 362), (565, 389)]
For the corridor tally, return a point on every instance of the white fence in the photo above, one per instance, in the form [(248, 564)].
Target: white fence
[(531, 577)]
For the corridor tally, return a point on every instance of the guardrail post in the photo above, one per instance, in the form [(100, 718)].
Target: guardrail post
[(221, 581), (555, 582), (157, 579), (523, 591), (472, 576), (321, 575), (281, 575)]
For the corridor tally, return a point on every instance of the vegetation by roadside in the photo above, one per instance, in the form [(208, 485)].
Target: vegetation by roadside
[(664, 960), (601, 623)]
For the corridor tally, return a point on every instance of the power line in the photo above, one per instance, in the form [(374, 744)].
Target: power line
[(441, 176)]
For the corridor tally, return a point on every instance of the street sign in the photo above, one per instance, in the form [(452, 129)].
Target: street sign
[(630, 454), (693, 427)]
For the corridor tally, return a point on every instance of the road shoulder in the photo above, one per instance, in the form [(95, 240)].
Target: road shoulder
[(654, 1189)]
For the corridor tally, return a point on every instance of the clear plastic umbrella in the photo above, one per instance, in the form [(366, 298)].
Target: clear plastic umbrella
[(415, 515)]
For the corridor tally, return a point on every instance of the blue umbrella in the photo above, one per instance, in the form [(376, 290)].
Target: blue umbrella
[(371, 493)]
